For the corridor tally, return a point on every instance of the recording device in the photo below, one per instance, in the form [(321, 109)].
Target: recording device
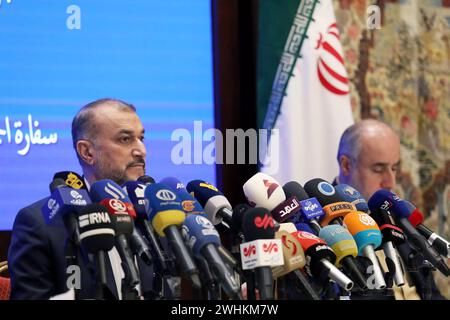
[(109, 194), (436, 241), (123, 226), (136, 194), (392, 237), (384, 199), (261, 251), (204, 241), (320, 260), (367, 235), (294, 260), (333, 205), (346, 250), (349, 194), (264, 191), (97, 237), (146, 180), (71, 179), (215, 205), (189, 204), (310, 209), (166, 215)]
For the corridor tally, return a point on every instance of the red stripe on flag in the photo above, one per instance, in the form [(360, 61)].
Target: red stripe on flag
[(328, 85), (335, 75), (331, 50)]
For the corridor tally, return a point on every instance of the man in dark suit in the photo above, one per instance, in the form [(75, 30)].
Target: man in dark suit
[(108, 139), (369, 158)]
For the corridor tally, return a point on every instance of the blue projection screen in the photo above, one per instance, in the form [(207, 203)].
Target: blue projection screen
[(56, 56)]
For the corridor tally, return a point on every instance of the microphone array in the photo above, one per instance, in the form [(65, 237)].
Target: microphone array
[(316, 242)]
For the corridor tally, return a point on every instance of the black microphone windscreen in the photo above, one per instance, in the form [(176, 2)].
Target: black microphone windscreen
[(56, 183), (293, 188), (238, 215), (96, 230), (258, 223), (322, 190), (146, 180), (71, 179)]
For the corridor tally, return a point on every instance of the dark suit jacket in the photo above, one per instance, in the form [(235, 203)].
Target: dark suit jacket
[(36, 258)]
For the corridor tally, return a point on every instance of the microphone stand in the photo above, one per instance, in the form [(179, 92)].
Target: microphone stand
[(250, 280), (161, 263), (72, 247), (129, 292), (210, 290), (415, 264), (100, 265)]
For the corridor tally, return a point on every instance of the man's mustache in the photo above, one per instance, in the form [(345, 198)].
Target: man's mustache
[(133, 163)]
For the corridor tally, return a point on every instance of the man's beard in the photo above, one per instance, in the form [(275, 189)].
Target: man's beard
[(104, 171)]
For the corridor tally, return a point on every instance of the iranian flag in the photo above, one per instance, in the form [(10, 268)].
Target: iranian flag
[(303, 88)]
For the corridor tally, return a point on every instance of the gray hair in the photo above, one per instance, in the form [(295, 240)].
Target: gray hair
[(349, 145), (83, 124)]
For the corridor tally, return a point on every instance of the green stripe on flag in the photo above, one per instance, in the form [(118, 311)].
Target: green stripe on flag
[(282, 29)]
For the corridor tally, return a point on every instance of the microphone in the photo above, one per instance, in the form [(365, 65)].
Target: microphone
[(310, 209), (136, 193), (146, 180), (204, 240), (301, 226), (261, 251), (349, 194), (287, 226), (237, 218), (436, 241), (333, 206), (389, 201), (166, 215), (346, 250), (320, 260), (294, 259), (97, 237), (367, 235), (65, 202), (71, 179), (392, 236), (108, 193), (123, 226), (215, 205), (189, 204), (264, 191)]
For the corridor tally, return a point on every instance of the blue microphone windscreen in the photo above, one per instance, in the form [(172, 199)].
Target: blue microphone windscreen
[(385, 199), (107, 189), (367, 237), (301, 226), (350, 194), (198, 231), (334, 233), (311, 209), (161, 198), (173, 183), (64, 200), (136, 194), (189, 204)]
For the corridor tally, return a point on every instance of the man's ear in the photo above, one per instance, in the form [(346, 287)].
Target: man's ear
[(85, 151), (345, 165)]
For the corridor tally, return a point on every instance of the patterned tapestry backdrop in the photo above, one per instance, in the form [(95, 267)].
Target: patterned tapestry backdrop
[(400, 73)]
